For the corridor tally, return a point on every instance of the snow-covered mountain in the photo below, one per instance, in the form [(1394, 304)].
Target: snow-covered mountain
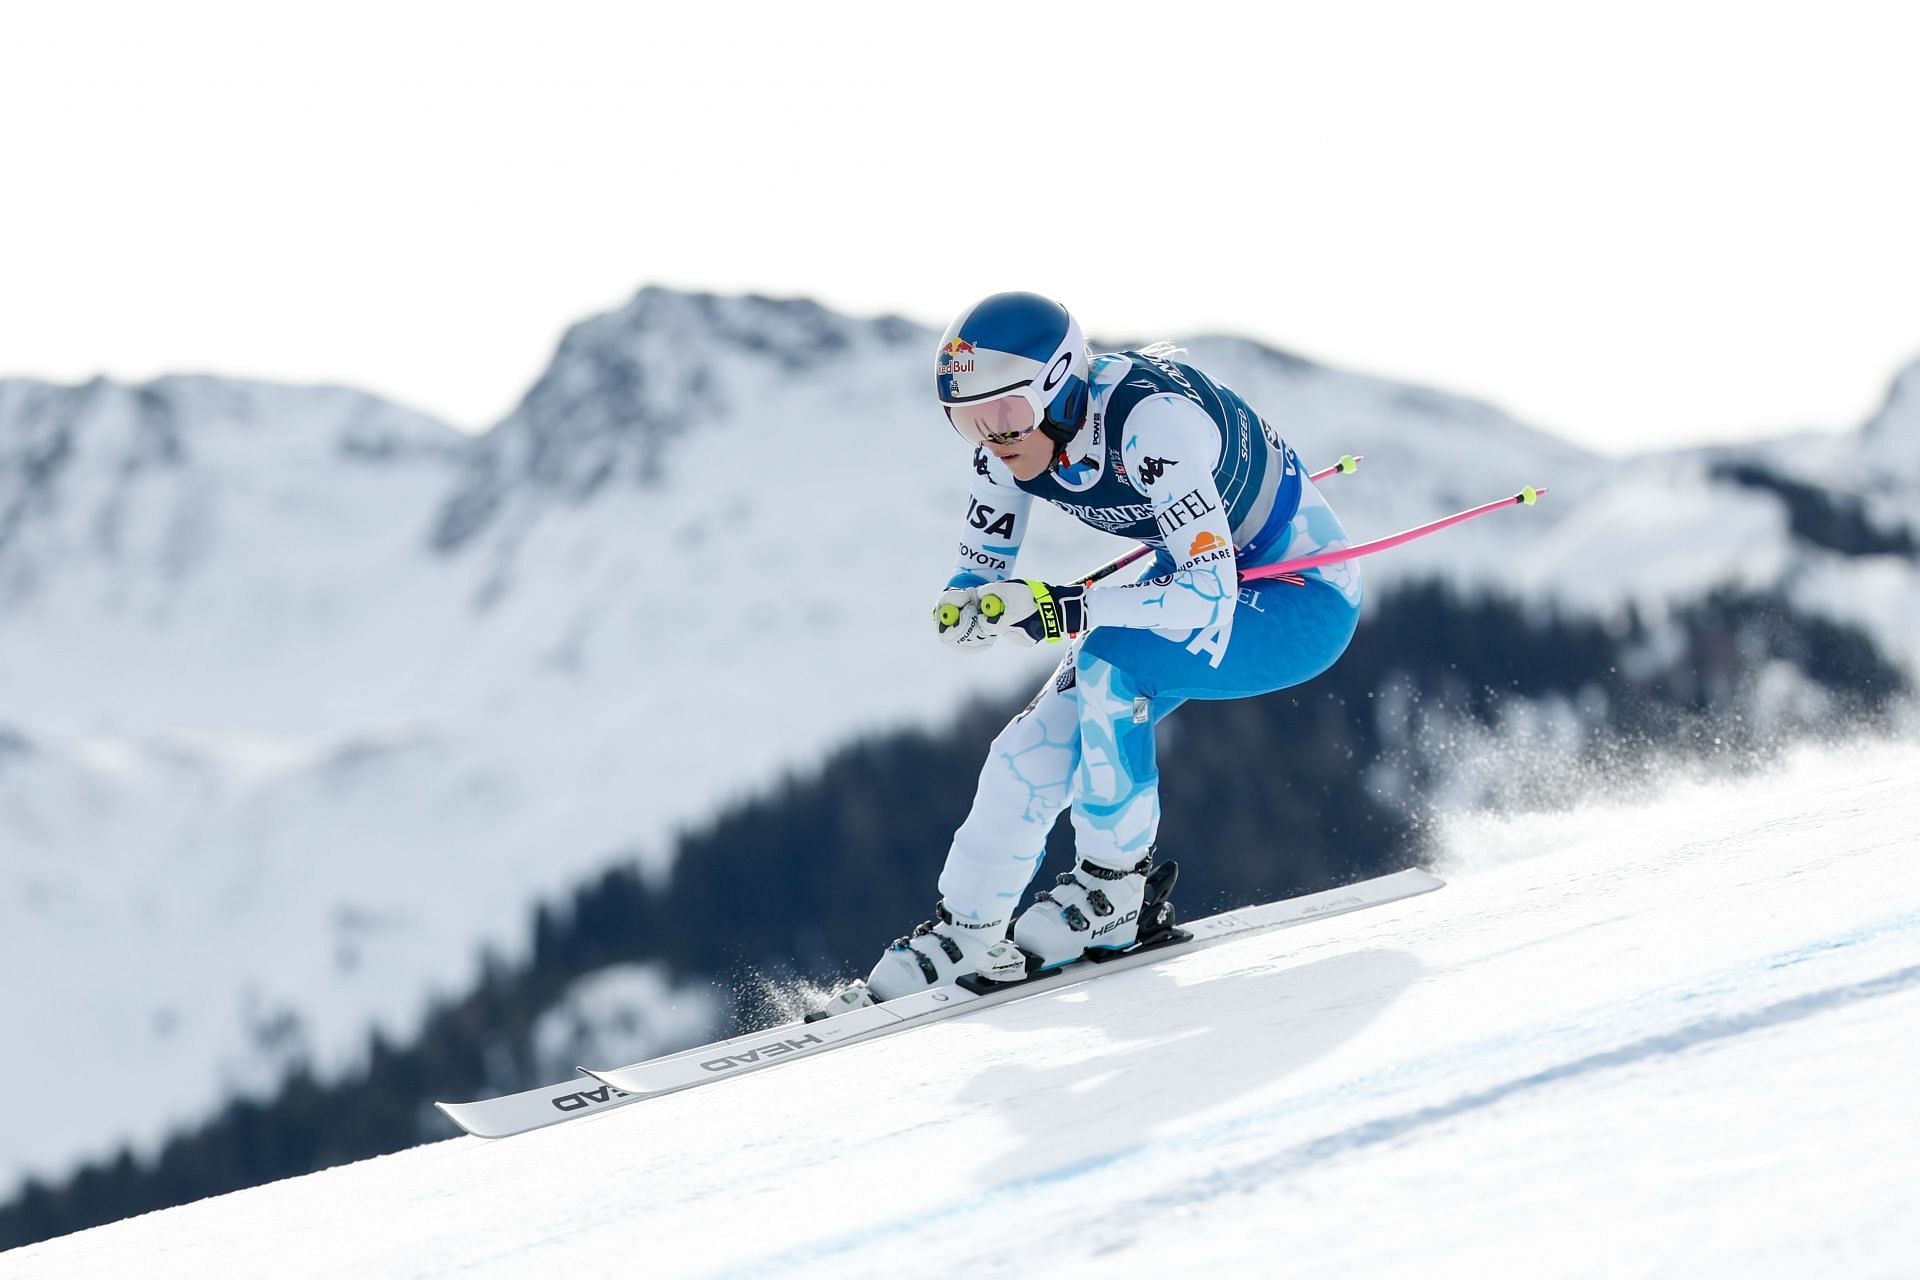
[(304, 698), (1666, 1034), (1654, 529)]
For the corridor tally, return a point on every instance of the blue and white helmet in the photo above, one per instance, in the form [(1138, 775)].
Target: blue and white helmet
[(1010, 364)]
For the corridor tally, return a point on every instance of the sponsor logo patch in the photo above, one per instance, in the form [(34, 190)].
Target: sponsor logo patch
[(762, 1053), (1120, 517), (981, 516), (587, 1098), (1183, 511), (985, 559)]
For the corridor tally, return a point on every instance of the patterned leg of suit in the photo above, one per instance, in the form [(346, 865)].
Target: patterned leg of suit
[(1116, 786), (1024, 784), (1088, 737)]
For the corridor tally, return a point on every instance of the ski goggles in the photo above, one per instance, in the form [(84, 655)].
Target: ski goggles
[(1003, 420)]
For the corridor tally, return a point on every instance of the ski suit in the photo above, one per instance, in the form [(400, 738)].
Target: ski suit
[(1173, 459)]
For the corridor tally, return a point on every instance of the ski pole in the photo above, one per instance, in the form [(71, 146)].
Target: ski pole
[(1348, 464), (1526, 497)]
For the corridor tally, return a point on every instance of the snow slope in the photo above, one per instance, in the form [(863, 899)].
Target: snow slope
[(304, 700), (1654, 1034)]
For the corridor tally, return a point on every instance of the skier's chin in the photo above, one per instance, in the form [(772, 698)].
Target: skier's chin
[(1026, 464)]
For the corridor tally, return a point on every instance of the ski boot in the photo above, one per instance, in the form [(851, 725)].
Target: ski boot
[(1093, 912), (933, 955)]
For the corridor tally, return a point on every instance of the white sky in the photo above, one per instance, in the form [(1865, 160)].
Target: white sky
[(1634, 224)]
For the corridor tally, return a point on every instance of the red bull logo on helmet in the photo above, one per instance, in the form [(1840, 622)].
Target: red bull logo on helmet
[(950, 361)]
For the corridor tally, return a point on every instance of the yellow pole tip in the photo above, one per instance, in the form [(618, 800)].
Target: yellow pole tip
[(1349, 463), (1530, 495)]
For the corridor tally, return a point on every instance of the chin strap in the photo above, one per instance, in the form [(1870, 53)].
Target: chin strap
[(1062, 440)]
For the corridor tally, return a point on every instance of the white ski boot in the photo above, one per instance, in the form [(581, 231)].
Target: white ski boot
[(934, 954), (1091, 909)]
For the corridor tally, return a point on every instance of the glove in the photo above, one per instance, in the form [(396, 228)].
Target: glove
[(1029, 612), (957, 615)]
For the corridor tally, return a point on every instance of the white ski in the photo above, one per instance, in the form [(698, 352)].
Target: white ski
[(616, 1087)]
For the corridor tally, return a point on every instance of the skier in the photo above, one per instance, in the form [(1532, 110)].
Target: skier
[(1138, 444)]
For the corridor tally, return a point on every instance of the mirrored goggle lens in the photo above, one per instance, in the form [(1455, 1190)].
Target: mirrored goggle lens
[(1002, 421)]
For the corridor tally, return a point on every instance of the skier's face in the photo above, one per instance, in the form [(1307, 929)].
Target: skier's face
[(1009, 425), (1027, 457)]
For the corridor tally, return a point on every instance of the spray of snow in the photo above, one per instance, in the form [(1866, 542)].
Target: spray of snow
[(767, 1000), (1673, 799)]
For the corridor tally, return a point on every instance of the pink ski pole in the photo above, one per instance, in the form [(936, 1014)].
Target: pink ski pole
[(1348, 464), (1526, 497)]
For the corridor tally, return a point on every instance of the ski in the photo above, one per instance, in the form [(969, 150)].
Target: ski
[(531, 1109), (606, 1089)]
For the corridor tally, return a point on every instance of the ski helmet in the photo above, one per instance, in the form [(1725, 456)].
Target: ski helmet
[(1009, 364)]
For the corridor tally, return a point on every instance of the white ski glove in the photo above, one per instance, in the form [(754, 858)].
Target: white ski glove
[(957, 615), (1030, 612)]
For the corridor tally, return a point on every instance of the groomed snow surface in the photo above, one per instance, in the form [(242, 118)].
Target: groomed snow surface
[(1663, 1035)]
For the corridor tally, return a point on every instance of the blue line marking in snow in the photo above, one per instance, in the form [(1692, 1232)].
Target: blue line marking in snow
[(1387, 1128), (1370, 1133)]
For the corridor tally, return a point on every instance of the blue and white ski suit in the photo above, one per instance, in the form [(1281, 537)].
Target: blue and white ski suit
[(1173, 459)]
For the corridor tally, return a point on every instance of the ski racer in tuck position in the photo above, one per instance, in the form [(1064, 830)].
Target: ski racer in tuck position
[(1139, 444)]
